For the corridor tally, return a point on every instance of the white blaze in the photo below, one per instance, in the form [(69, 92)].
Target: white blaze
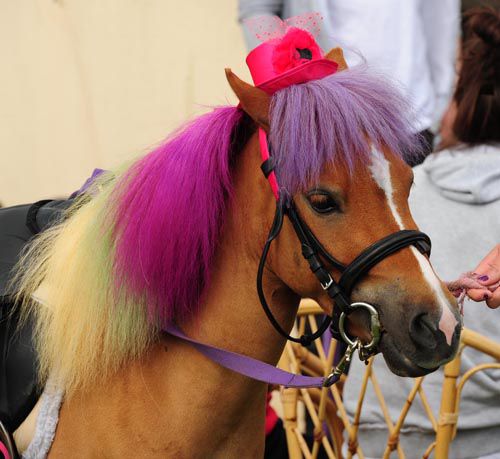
[(381, 173)]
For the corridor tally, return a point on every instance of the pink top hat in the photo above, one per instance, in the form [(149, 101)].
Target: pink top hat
[(293, 58)]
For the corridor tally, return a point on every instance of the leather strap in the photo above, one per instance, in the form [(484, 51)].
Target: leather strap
[(313, 252), (306, 339), (310, 249), (267, 167), (305, 234), (31, 221), (380, 250)]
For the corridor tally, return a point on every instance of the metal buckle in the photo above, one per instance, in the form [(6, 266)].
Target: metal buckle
[(333, 377), (328, 284), (365, 350)]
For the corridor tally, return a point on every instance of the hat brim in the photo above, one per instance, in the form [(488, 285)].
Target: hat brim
[(312, 70)]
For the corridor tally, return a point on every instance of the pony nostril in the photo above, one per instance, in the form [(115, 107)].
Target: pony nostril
[(423, 332)]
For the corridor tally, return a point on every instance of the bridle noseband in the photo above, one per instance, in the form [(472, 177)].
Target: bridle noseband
[(314, 253)]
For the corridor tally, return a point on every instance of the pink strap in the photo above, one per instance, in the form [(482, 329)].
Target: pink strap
[(3, 450), (264, 152)]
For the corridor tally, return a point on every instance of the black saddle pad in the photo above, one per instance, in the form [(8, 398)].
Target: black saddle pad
[(14, 234), (18, 386)]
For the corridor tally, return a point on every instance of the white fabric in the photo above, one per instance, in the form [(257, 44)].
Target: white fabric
[(491, 456), (46, 424), (413, 41), (469, 175)]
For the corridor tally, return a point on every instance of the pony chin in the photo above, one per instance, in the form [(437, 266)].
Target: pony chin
[(398, 362)]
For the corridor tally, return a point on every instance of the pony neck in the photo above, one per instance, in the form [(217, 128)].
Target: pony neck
[(231, 316), (175, 397)]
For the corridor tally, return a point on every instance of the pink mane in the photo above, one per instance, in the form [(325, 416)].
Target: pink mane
[(170, 207)]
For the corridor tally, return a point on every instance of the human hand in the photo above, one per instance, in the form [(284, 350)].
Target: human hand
[(488, 275)]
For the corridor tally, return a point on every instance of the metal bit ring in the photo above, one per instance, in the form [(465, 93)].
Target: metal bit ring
[(374, 327)]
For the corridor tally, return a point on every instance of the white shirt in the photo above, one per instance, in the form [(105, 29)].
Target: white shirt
[(412, 41)]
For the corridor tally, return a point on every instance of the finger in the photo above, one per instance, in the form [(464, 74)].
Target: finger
[(465, 281), (494, 301), (489, 268), (489, 274), (477, 294)]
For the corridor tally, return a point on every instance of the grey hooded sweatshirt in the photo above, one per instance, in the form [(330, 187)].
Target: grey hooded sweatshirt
[(456, 200)]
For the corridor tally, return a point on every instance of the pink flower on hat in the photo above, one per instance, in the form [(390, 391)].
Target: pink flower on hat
[(296, 47)]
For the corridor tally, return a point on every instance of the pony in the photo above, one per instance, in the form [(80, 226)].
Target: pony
[(176, 238)]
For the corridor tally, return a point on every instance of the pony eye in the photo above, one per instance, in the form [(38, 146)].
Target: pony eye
[(323, 202)]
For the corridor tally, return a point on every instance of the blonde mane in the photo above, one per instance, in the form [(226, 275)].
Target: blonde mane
[(82, 333)]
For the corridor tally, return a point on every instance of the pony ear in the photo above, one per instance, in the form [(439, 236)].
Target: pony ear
[(253, 100), (337, 55)]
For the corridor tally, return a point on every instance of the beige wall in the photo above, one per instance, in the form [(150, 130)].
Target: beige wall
[(91, 83)]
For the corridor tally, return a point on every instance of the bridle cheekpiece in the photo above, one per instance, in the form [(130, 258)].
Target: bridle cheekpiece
[(314, 253)]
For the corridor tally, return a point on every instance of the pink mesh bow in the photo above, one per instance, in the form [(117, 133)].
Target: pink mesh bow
[(272, 27)]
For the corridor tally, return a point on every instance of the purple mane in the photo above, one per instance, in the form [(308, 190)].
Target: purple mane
[(171, 204), (170, 207), (334, 120)]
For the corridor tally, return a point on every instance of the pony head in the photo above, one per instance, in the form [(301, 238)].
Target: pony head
[(339, 146)]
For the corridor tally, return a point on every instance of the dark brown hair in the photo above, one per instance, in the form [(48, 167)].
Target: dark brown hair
[(477, 94)]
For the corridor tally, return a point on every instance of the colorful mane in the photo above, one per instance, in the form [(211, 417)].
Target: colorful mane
[(138, 255)]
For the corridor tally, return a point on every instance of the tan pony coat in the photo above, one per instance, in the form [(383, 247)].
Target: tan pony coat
[(174, 403)]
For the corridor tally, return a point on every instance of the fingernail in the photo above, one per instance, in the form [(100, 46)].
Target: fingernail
[(483, 278)]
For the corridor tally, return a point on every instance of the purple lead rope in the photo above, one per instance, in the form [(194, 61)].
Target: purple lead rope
[(248, 366)]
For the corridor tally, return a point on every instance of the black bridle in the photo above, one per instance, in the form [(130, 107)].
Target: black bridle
[(314, 253)]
